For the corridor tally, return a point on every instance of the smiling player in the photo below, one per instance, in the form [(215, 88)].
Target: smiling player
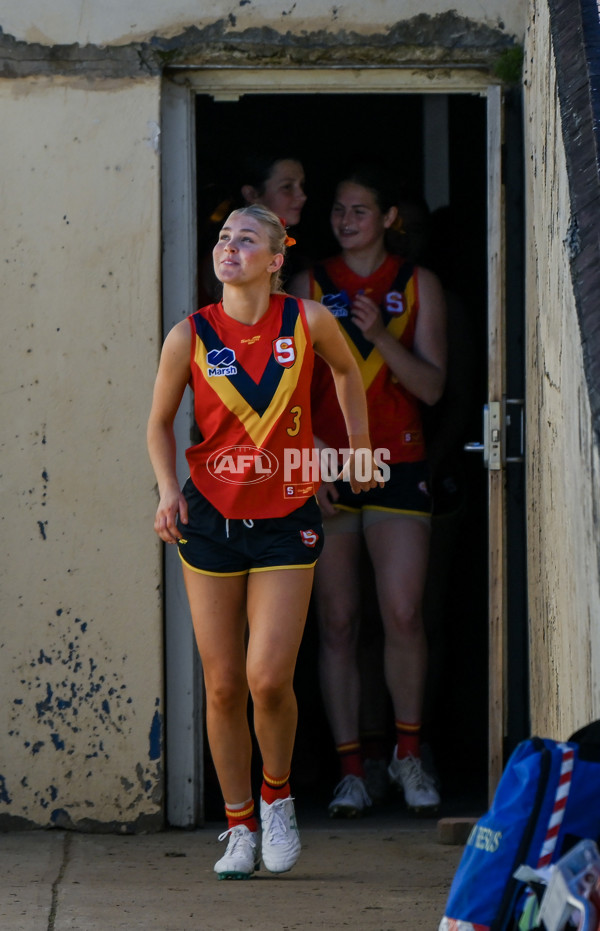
[(392, 315), (249, 547)]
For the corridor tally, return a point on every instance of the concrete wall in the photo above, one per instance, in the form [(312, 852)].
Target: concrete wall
[(81, 641), (563, 461), (73, 21), (81, 616)]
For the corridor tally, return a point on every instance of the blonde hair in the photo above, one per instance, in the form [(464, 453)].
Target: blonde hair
[(275, 232)]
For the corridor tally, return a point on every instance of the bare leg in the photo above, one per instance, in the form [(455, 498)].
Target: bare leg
[(277, 608), (374, 696), (337, 600), (399, 552), (219, 618)]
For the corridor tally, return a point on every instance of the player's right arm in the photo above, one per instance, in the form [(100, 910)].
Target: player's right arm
[(171, 380)]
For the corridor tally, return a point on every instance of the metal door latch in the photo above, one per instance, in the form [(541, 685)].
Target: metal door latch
[(495, 421)]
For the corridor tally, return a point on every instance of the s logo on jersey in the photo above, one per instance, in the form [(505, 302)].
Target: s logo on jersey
[(220, 362), (284, 350), (394, 303)]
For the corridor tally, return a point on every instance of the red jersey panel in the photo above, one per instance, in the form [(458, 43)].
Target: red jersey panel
[(394, 413), (252, 406)]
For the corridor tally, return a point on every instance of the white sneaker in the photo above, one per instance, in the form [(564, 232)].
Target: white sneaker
[(280, 839), (350, 798), (420, 793), (242, 856), (377, 779)]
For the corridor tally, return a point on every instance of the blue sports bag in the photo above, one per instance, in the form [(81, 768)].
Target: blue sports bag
[(547, 800)]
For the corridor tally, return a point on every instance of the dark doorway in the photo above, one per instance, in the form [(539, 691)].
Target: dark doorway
[(329, 132)]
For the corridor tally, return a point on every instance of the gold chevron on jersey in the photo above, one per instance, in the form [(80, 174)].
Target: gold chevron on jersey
[(369, 359), (257, 406), (371, 364)]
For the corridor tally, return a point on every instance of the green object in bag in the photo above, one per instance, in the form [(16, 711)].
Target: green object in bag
[(530, 917)]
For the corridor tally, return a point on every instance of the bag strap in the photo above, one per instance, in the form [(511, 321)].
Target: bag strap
[(560, 803), (513, 887)]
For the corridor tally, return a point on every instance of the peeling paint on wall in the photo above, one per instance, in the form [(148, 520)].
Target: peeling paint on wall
[(81, 631), (155, 736), (154, 135), (4, 796), (116, 26), (78, 709), (445, 37)]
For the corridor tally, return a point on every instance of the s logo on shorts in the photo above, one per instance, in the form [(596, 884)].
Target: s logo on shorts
[(309, 537)]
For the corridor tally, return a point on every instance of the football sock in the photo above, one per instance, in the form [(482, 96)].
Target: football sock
[(274, 788), (241, 814), (408, 742), (350, 759)]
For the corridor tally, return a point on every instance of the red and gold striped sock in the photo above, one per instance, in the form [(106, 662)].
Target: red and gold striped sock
[(408, 739), (350, 759), (241, 814), (274, 787)]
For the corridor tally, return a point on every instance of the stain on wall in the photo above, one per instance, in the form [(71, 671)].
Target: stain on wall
[(81, 661), (82, 710), (443, 39)]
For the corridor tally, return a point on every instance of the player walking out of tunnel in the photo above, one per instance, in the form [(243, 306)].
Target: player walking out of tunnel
[(248, 533)]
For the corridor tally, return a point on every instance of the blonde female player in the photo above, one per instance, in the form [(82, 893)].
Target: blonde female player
[(246, 523)]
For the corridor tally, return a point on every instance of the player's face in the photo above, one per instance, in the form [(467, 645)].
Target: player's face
[(356, 218), (284, 191), (242, 252)]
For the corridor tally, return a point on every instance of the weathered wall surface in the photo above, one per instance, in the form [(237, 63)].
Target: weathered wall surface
[(81, 643), (121, 40), (78, 21), (563, 462)]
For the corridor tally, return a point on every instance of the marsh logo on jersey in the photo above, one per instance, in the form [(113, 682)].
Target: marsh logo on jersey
[(394, 303), (284, 350), (338, 304), (220, 362), (309, 538)]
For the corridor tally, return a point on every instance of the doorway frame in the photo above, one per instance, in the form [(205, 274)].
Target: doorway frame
[(183, 689)]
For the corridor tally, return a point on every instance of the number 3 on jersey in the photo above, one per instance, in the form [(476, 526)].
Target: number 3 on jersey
[(296, 413)]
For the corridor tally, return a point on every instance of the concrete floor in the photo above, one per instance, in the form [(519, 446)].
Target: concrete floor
[(387, 871)]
